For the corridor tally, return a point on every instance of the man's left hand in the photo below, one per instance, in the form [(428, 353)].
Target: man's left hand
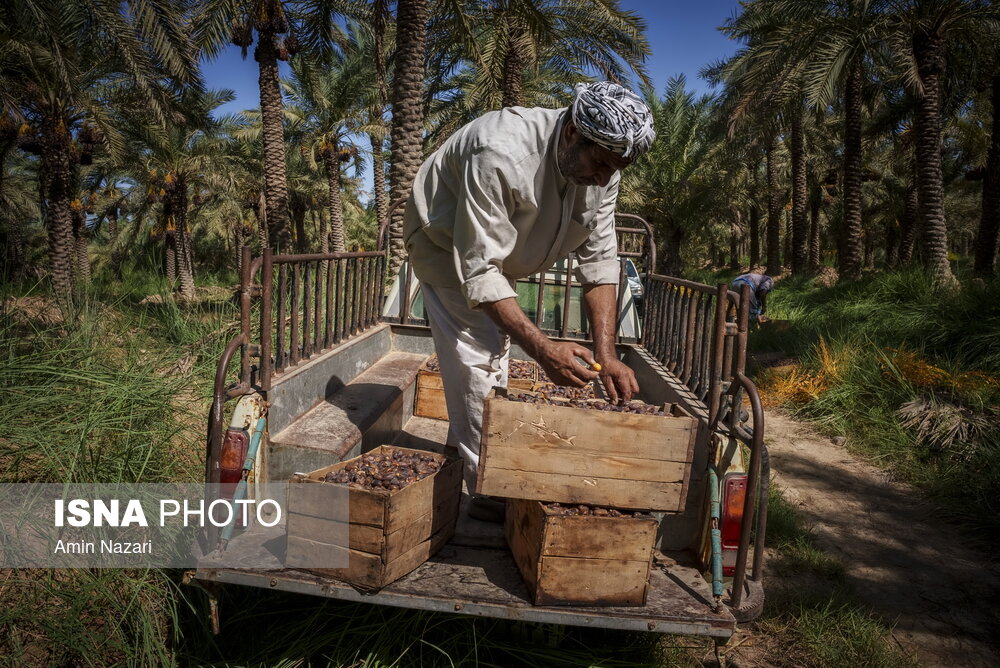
[(618, 379)]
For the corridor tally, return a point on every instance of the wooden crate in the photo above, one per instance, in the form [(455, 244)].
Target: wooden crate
[(430, 402), (580, 560), (390, 533), (576, 455)]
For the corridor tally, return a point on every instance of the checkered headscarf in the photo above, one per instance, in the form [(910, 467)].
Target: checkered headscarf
[(614, 118)]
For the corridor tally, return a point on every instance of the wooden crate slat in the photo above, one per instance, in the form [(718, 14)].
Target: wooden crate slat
[(532, 457), (601, 538), (567, 581), (580, 429), (524, 525), (610, 492)]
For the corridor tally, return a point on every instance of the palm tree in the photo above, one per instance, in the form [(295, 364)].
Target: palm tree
[(179, 161), (988, 235), (407, 112), (819, 48), (923, 31), (72, 64), (507, 40), (282, 28), (330, 101), (676, 186)]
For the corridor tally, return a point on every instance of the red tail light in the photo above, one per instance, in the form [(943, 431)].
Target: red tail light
[(734, 494), (234, 452)]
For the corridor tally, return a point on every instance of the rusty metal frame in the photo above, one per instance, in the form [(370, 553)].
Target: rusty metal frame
[(259, 377)]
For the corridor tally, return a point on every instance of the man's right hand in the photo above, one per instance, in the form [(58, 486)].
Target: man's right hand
[(559, 359)]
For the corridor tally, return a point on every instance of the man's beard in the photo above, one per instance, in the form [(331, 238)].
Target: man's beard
[(569, 163)]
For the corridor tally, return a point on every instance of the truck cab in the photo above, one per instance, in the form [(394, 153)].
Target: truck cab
[(328, 355)]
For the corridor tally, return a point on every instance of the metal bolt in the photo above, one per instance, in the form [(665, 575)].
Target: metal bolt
[(651, 625), (274, 583)]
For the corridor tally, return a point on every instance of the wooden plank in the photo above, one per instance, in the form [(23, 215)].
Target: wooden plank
[(583, 430), (361, 537), (626, 538), (597, 582), (430, 403), (364, 570), (408, 561), (524, 527), (443, 515), (546, 459), (364, 506), (408, 504), (637, 494), (429, 379)]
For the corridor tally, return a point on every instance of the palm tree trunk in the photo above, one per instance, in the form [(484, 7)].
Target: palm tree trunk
[(324, 233), (908, 226), (851, 244), (57, 163), (988, 235), (800, 195), (735, 227), (773, 211), (170, 255), (378, 179), (380, 16), (260, 211), (331, 162), (407, 112), (672, 251), (513, 66), (892, 244), (185, 259), (275, 179), (297, 213), (81, 261), (815, 205), (754, 236), (928, 50)]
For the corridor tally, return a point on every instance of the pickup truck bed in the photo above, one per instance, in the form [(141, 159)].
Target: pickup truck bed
[(475, 574), (338, 375)]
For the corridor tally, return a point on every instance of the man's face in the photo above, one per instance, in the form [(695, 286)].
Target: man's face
[(585, 163)]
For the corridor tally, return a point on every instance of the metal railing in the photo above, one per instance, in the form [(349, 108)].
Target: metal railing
[(635, 242), (310, 303), (698, 333)]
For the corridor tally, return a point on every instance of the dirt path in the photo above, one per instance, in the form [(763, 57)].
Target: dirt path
[(908, 566)]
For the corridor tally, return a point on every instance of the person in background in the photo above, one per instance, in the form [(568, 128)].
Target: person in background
[(760, 286), (503, 198)]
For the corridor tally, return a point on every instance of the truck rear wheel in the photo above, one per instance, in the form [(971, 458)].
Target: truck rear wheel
[(752, 604)]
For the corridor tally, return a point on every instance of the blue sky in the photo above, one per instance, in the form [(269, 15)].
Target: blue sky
[(683, 34), (684, 37)]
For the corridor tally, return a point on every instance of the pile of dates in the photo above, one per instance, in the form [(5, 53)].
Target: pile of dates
[(634, 407), (386, 471), (521, 369), (593, 511), (553, 390), (517, 368)]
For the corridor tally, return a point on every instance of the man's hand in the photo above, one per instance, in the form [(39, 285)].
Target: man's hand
[(619, 380), (560, 362)]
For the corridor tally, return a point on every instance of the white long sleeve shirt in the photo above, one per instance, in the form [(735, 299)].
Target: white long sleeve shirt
[(491, 206)]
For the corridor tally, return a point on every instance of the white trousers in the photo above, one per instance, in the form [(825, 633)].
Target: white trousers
[(473, 353)]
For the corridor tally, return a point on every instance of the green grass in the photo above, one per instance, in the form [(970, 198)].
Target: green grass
[(115, 392), (865, 324), (811, 616)]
